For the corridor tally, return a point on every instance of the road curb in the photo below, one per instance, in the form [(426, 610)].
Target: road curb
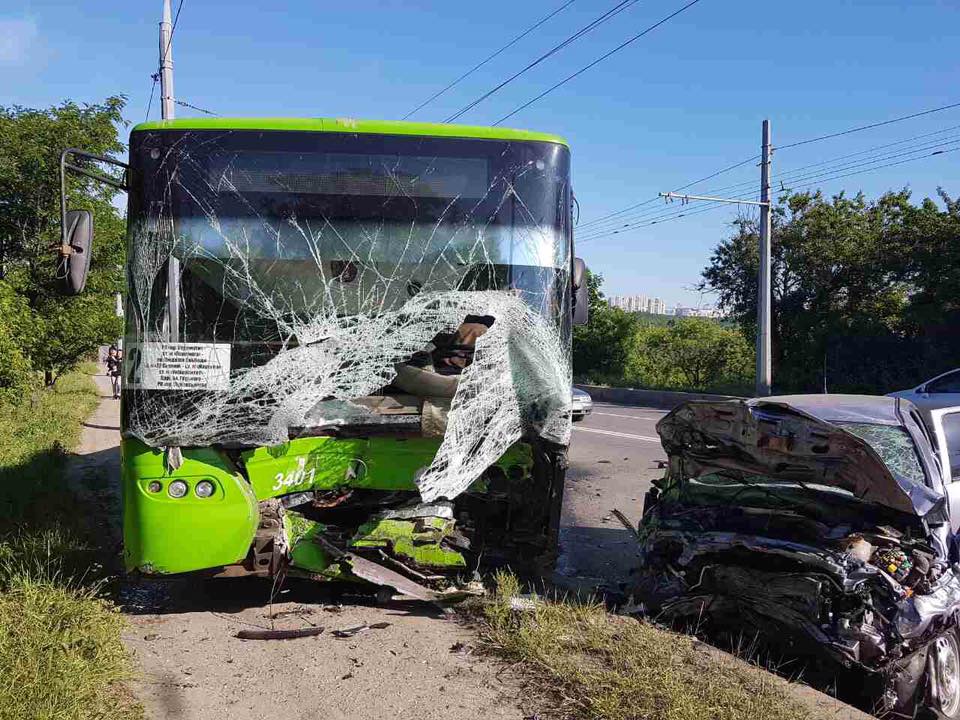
[(663, 399)]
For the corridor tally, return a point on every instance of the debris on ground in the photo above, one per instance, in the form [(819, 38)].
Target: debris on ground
[(625, 521), (349, 632), (290, 634)]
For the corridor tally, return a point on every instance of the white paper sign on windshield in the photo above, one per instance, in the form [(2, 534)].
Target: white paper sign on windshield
[(177, 366)]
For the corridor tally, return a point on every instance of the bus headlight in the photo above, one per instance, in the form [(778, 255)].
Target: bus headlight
[(177, 489), (204, 489), (155, 486)]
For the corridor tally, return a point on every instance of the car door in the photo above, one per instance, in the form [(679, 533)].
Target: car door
[(946, 429), (941, 392)]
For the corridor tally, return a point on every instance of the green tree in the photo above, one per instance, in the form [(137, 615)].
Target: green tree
[(601, 347), (864, 294), (17, 335), (690, 354), (66, 328)]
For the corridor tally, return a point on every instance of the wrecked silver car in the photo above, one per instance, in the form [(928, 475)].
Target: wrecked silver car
[(825, 523)]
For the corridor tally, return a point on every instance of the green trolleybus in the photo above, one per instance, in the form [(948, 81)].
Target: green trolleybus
[(346, 347)]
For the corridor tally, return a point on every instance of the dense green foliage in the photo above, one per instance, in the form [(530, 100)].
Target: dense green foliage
[(601, 347), (652, 351), (866, 295), (59, 331), (690, 353)]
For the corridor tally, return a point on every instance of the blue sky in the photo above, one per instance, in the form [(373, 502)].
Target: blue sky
[(684, 101)]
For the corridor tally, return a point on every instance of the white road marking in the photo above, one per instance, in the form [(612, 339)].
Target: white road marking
[(645, 438), (632, 417)]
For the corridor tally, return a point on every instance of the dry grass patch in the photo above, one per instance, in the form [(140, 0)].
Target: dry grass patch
[(598, 665)]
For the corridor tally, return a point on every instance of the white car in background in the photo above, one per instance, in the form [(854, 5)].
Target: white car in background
[(940, 392), (581, 404)]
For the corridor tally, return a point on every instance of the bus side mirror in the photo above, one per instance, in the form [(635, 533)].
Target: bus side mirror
[(75, 249), (581, 293), (76, 226)]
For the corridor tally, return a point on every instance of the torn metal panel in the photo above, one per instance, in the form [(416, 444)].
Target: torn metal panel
[(441, 509), (417, 540), (378, 574), (777, 440)]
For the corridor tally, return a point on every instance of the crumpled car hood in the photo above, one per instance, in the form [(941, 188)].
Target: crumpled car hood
[(776, 440)]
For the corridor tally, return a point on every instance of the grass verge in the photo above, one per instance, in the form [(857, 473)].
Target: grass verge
[(60, 650), (594, 664)]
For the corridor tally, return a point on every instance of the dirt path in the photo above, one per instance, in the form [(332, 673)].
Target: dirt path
[(192, 666)]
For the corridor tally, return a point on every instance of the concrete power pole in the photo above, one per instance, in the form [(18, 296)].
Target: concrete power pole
[(764, 342), (167, 112), (166, 64), (764, 294)]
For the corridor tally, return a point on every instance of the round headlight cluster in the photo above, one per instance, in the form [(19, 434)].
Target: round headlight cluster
[(177, 489), (204, 489)]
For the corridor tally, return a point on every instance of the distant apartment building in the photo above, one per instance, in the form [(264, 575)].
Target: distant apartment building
[(638, 303), (705, 311)]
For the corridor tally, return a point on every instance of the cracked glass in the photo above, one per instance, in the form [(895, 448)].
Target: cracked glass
[(284, 284), (894, 446)]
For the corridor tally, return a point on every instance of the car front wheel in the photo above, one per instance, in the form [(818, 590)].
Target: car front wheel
[(944, 676)]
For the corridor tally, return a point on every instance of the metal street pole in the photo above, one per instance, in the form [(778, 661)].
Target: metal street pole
[(764, 341), (167, 112)]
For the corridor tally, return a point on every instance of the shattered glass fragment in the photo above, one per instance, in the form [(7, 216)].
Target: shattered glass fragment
[(893, 445)]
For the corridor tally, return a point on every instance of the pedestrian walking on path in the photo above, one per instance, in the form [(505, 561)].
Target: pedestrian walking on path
[(114, 361)]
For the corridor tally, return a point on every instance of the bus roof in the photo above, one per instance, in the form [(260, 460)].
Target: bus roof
[(349, 125)]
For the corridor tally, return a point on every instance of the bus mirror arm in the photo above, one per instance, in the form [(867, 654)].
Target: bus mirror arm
[(76, 226)]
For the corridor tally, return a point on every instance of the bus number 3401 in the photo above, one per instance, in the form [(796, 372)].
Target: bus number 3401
[(299, 476)]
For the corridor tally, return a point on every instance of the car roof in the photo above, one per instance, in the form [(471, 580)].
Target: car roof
[(876, 409)]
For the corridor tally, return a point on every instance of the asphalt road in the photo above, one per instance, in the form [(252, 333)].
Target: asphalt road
[(613, 458)]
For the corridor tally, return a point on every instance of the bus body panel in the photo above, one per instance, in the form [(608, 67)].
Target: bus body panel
[(164, 534)]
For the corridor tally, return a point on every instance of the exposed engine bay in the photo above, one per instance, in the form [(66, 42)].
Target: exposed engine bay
[(818, 525)]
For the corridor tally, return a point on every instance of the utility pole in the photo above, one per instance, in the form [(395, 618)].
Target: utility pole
[(764, 380), (764, 336), (167, 112), (166, 63)]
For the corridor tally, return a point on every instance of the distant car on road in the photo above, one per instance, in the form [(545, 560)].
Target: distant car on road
[(582, 404), (939, 392)]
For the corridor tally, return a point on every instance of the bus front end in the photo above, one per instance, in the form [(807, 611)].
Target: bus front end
[(347, 349)]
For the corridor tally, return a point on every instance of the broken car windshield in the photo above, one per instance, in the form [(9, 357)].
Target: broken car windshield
[(894, 446)]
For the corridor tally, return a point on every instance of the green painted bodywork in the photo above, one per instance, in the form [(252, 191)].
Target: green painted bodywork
[(171, 535), (305, 554), (349, 125), (327, 463), (414, 540), (165, 535)]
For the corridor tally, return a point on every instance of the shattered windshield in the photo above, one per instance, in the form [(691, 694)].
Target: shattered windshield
[(894, 446), (285, 282)]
